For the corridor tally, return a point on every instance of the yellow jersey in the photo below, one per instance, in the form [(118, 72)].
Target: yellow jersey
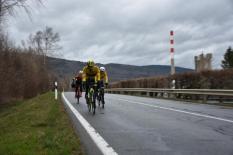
[(104, 76), (91, 72)]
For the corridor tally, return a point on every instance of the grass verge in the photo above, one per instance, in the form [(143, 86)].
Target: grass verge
[(37, 126)]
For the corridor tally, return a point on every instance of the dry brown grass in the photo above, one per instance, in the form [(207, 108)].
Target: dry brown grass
[(22, 73)]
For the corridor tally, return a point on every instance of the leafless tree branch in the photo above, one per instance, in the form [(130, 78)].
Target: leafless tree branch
[(8, 7)]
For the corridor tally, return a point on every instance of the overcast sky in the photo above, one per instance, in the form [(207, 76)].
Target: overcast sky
[(133, 31)]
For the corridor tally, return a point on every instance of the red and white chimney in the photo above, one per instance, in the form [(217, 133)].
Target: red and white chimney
[(172, 50)]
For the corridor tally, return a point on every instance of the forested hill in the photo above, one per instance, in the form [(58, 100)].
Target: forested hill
[(67, 68)]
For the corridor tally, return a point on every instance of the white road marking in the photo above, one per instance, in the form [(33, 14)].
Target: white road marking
[(104, 147), (181, 111)]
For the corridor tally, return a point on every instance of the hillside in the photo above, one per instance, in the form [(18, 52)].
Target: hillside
[(67, 68)]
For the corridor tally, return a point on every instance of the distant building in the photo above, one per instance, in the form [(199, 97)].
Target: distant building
[(203, 62)]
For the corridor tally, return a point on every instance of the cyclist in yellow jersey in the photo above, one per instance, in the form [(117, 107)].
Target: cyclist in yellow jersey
[(103, 81), (103, 76), (91, 75)]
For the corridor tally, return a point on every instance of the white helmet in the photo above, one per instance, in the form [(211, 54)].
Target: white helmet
[(102, 69), (80, 72)]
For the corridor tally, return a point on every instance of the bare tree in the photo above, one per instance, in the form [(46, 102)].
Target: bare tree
[(45, 42), (51, 40), (36, 41), (8, 6)]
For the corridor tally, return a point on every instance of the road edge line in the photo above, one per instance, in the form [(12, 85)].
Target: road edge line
[(103, 146), (181, 111)]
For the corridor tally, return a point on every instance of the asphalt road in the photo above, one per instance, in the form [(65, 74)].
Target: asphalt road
[(138, 125)]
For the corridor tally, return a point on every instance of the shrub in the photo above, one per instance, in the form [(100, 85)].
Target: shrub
[(214, 79)]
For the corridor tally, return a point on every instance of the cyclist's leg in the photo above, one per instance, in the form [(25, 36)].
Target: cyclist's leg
[(102, 90), (94, 99), (79, 84), (87, 89), (95, 96), (99, 91), (76, 91), (81, 87), (98, 94), (79, 91), (103, 96)]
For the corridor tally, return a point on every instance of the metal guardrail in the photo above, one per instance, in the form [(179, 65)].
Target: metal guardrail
[(155, 92)]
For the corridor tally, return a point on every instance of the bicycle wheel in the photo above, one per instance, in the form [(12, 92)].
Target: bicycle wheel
[(93, 101), (78, 95), (103, 102), (77, 99), (89, 106), (93, 108), (102, 97), (99, 99), (88, 102)]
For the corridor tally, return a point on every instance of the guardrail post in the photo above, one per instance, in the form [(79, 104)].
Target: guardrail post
[(151, 94), (220, 99), (55, 90), (171, 95), (205, 97), (165, 95), (159, 95), (194, 97)]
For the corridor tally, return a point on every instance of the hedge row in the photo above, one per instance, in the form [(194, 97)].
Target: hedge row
[(215, 79)]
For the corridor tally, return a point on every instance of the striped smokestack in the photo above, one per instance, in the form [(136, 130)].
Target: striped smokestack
[(172, 50)]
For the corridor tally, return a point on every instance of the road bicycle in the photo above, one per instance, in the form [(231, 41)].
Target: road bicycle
[(101, 97), (91, 98), (78, 94)]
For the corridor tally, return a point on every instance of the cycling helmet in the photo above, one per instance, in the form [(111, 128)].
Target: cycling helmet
[(80, 72), (90, 63), (102, 69)]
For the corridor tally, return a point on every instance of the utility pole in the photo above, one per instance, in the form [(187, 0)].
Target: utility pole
[(172, 50), (1, 16), (1, 20), (1, 12)]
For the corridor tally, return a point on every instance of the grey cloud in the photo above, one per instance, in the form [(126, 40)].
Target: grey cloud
[(134, 32)]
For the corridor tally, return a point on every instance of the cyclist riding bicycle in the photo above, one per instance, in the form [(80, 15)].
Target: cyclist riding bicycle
[(103, 81), (91, 76), (103, 77), (77, 83)]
